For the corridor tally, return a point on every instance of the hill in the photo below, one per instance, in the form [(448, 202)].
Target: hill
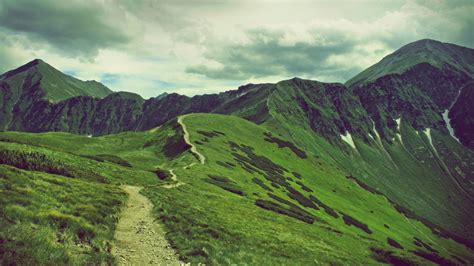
[(281, 203), (377, 170), (36, 84)]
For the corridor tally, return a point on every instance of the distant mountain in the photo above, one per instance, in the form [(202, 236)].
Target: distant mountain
[(439, 55), (56, 86), (22, 89), (418, 83)]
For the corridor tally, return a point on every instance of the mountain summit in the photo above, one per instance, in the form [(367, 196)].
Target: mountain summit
[(32, 85), (438, 54), (54, 85)]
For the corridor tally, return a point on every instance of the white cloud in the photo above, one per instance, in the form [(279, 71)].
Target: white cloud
[(167, 38)]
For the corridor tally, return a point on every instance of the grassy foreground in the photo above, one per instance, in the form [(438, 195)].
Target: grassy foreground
[(257, 199)]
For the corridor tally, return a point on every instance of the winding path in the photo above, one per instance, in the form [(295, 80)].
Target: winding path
[(139, 240), (194, 150), (174, 178)]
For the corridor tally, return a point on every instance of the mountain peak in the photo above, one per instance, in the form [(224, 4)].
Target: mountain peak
[(23, 68), (56, 85), (435, 53)]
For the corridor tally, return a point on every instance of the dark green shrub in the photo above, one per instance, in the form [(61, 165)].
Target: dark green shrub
[(225, 183), (285, 144), (326, 208), (35, 161), (261, 184), (162, 174), (394, 243), (421, 243), (301, 199), (257, 161), (433, 257), (220, 178), (225, 164), (388, 257), (303, 187), (294, 213), (296, 174), (348, 220), (363, 185)]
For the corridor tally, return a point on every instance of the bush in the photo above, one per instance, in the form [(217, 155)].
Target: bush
[(348, 220), (261, 184), (421, 243), (294, 213), (433, 257), (296, 174), (301, 199), (326, 208), (394, 243), (285, 144), (162, 174), (225, 164), (388, 257), (225, 183), (35, 161), (303, 187)]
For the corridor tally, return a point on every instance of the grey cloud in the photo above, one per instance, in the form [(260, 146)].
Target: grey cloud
[(265, 55), (73, 27)]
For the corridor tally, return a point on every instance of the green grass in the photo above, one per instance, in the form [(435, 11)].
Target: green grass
[(52, 219), (254, 201), (213, 225)]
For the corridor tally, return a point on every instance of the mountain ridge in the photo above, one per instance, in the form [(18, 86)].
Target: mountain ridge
[(436, 89), (373, 170)]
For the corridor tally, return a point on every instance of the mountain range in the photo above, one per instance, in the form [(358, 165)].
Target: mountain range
[(384, 162)]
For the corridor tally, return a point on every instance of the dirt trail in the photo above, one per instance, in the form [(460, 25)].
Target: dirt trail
[(174, 178), (194, 150), (139, 240)]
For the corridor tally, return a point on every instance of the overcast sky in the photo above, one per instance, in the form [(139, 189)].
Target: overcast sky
[(196, 47)]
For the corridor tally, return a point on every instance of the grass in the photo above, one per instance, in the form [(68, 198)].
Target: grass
[(52, 219), (252, 202), (267, 228)]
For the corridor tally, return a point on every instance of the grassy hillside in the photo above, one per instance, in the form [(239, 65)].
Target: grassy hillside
[(410, 169), (257, 199)]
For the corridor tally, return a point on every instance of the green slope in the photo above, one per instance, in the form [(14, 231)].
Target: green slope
[(257, 198), (407, 170)]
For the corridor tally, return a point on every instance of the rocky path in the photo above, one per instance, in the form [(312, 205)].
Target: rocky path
[(174, 178), (139, 240), (194, 150)]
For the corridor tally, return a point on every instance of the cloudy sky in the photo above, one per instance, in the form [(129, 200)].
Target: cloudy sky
[(196, 47)]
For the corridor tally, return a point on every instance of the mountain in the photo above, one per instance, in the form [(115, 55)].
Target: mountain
[(54, 84), (36, 83), (219, 178), (437, 54), (377, 170)]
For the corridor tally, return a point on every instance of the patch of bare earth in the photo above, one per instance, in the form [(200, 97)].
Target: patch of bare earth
[(139, 240)]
